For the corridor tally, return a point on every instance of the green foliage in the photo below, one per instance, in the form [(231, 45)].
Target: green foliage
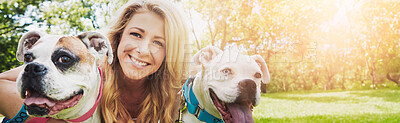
[(55, 17), (73, 17), (11, 13), (309, 44)]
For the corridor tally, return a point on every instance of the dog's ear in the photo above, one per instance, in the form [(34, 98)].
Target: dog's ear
[(26, 42), (205, 55), (98, 44), (264, 68)]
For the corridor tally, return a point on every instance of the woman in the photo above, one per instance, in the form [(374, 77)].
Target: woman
[(148, 39)]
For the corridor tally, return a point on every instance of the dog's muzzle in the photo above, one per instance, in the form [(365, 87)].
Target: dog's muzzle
[(32, 77), (33, 91), (240, 111)]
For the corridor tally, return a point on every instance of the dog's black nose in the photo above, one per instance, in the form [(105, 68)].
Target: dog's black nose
[(247, 85), (248, 90), (35, 69)]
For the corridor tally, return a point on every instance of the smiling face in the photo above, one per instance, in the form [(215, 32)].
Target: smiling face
[(142, 48)]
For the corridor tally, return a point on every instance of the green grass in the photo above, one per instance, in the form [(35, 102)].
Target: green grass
[(364, 106)]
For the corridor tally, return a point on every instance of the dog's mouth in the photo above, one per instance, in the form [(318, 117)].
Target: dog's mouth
[(236, 112), (39, 104)]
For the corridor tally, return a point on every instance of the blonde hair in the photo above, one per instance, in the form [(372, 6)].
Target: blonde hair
[(161, 89)]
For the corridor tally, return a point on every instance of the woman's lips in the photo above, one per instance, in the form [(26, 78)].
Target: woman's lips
[(138, 63)]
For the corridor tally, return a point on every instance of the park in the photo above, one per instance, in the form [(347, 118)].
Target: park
[(328, 60)]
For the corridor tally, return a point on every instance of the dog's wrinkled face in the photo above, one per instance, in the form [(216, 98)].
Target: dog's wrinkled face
[(232, 82), (60, 71)]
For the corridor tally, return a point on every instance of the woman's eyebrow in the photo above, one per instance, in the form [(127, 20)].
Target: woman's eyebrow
[(159, 37), (140, 29)]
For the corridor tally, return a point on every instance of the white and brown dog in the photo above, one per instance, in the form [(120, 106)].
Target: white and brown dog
[(61, 78), (226, 88)]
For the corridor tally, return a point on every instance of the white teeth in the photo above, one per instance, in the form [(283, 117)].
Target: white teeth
[(138, 62), (27, 94)]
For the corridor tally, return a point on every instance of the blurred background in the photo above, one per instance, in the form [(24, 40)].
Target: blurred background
[(308, 44), (329, 60)]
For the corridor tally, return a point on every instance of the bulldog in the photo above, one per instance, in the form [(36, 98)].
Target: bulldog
[(61, 78), (226, 88)]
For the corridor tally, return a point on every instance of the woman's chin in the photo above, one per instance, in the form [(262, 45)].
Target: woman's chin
[(135, 75)]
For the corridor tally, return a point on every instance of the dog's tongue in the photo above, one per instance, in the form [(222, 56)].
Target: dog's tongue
[(54, 107), (241, 113), (39, 101)]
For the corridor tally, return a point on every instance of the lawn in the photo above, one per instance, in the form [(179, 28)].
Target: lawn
[(381, 106), (330, 107)]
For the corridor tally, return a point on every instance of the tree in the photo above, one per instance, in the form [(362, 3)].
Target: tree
[(377, 36), (56, 17), (13, 15)]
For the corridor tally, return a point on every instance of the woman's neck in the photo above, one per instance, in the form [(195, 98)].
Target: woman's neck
[(133, 87), (132, 93)]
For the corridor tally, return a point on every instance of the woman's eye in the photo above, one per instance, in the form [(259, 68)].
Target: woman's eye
[(64, 59), (28, 58), (158, 43), (136, 34), (226, 71)]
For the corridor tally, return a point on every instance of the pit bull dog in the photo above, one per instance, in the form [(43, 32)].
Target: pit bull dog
[(225, 89), (61, 78)]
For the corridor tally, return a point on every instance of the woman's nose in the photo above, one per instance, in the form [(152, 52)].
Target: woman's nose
[(143, 48)]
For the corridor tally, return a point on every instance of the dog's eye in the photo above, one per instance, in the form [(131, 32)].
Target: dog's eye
[(64, 59), (28, 57), (226, 71), (257, 75)]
